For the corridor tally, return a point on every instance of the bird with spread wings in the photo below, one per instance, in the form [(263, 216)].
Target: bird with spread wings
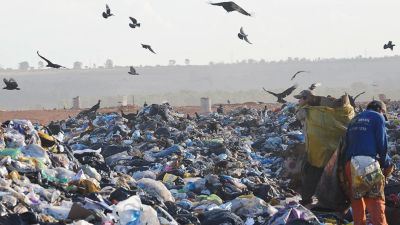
[(148, 47), (298, 73), (282, 95), (242, 35), (133, 71), (231, 6), (11, 84), (50, 64)]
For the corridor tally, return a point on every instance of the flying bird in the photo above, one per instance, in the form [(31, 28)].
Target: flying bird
[(314, 85), (50, 64), (375, 85), (242, 35), (148, 47), (231, 6), (298, 73), (107, 13), (10, 84), (133, 71), (134, 23), (282, 95), (389, 45)]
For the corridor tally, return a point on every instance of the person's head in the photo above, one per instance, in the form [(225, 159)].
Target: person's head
[(378, 106), (303, 97)]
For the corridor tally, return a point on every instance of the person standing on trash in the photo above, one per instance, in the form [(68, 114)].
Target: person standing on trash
[(366, 139), (310, 174)]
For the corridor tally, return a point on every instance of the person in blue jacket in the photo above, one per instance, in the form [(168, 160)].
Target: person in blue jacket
[(365, 156)]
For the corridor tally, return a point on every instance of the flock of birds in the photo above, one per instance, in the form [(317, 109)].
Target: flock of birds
[(230, 6), (288, 91)]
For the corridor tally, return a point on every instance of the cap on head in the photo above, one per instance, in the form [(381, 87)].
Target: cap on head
[(304, 93), (378, 104)]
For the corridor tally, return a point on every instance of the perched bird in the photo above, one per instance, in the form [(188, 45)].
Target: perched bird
[(260, 103), (231, 6), (95, 107), (389, 45), (129, 117), (134, 23), (189, 117), (314, 85), (375, 85), (197, 115), (133, 71), (242, 35), (214, 126), (49, 64), (107, 13), (386, 101), (229, 102), (145, 104), (353, 100), (282, 95), (148, 47), (10, 84), (298, 73)]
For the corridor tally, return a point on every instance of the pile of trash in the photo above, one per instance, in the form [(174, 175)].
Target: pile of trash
[(159, 166)]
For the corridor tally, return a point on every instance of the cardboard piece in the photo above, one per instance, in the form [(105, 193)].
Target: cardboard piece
[(78, 212)]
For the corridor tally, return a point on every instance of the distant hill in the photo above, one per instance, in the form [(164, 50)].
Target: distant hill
[(184, 85)]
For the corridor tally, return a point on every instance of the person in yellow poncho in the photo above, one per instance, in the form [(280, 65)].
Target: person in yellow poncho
[(322, 127), (310, 174)]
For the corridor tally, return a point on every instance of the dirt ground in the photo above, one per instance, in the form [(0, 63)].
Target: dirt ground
[(45, 116)]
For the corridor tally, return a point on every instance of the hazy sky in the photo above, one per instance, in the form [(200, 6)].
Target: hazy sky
[(74, 30)]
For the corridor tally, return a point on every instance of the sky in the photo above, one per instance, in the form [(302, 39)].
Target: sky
[(74, 30)]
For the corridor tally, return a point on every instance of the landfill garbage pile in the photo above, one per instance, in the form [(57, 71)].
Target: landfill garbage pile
[(159, 167)]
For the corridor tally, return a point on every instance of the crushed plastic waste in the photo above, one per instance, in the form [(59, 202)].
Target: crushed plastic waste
[(164, 168)]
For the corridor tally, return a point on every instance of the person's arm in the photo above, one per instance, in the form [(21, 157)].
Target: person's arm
[(381, 142)]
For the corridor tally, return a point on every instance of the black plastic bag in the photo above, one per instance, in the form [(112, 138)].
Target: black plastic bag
[(121, 194), (115, 149), (216, 217)]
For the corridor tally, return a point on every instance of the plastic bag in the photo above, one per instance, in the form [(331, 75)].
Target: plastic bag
[(12, 152), (34, 150), (170, 150), (144, 174), (155, 188), (14, 139), (132, 212), (58, 212), (217, 217), (45, 175)]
